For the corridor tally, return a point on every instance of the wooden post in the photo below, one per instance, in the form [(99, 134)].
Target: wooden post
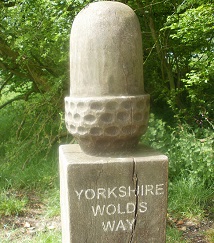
[(113, 199)]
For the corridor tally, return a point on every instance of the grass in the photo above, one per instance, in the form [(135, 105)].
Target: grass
[(40, 172), (11, 204), (187, 199), (52, 200), (41, 237), (174, 236), (40, 177), (210, 235), (48, 237)]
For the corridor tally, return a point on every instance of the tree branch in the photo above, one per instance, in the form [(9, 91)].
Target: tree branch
[(50, 70), (33, 70), (5, 49), (58, 137), (5, 82), (8, 4), (19, 97)]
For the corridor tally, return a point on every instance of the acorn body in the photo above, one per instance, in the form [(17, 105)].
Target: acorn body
[(107, 110)]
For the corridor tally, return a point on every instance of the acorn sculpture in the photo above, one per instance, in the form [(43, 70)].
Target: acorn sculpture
[(107, 110)]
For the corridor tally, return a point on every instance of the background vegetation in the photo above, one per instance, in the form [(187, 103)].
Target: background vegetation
[(178, 38)]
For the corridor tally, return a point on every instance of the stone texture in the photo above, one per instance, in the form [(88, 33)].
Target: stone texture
[(119, 199)]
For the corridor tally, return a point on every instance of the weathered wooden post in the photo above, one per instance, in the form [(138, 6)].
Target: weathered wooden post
[(112, 189)]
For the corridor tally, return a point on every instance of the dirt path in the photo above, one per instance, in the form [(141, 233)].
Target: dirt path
[(192, 230), (31, 222)]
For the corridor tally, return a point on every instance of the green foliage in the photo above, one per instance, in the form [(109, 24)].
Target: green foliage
[(34, 41), (30, 134), (47, 237), (190, 153), (174, 236), (191, 34), (29, 143), (40, 237), (177, 40), (191, 170), (194, 27), (195, 158), (22, 172), (11, 204), (53, 201), (188, 199), (178, 69), (178, 53), (210, 235)]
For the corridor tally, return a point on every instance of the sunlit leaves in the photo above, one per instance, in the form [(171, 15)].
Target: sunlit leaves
[(195, 25), (191, 36)]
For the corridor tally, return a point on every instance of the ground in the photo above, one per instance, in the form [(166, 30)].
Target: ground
[(31, 222), (193, 231)]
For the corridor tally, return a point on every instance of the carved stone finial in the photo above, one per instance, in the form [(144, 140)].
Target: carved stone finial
[(107, 110)]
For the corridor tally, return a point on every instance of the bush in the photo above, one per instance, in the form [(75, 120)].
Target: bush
[(190, 152), (30, 133)]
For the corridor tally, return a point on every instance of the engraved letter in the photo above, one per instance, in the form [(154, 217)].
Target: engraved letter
[(101, 192), (159, 189), (109, 211), (118, 209), (130, 208), (108, 225), (90, 194), (149, 188), (142, 207), (131, 191), (111, 192), (122, 191), (120, 225), (98, 210), (130, 223), (79, 193)]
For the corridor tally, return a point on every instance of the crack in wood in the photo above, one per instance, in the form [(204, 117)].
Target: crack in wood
[(135, 181)]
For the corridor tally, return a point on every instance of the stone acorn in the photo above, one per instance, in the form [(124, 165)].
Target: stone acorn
[(107, 111)]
